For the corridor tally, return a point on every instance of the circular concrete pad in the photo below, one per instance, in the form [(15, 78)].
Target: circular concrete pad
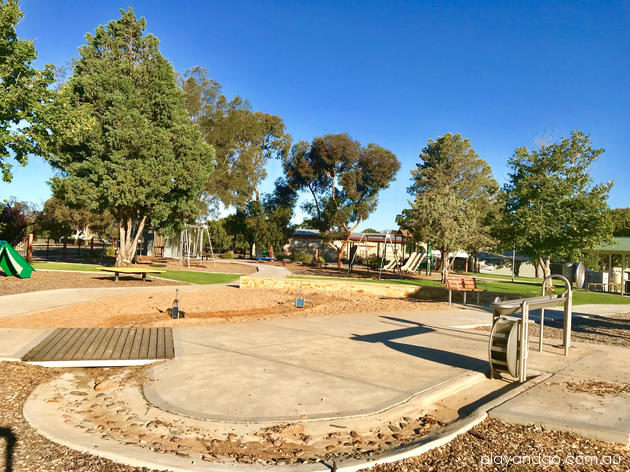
[(309, 368)]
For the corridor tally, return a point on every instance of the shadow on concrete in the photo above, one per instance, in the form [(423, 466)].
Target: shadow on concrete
[(9, 440), (466, 410), (432, 354)]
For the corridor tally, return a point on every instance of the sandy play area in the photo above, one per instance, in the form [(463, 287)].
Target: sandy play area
[(208, 305)]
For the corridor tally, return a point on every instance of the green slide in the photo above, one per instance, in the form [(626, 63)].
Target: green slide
[(12, 263)]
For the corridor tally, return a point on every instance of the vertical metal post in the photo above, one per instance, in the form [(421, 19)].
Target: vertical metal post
[(568, 310), (610, 273), (542, 325), (522, 361), (181, 248), (623, 274), (513, 259)]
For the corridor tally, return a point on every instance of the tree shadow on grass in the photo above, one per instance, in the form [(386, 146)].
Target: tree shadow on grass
[(432, 354)]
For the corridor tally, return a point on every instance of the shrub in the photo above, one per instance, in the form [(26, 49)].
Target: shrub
[(110, 252), (302, 257), (228, 255)]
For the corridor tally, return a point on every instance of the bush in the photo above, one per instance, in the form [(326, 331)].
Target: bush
[(110, 252), (13, 222), (91, 254), (302, 257), (228, 255)]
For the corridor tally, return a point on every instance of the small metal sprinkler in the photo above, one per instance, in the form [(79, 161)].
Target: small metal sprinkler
[(299, 299), (175, 309)]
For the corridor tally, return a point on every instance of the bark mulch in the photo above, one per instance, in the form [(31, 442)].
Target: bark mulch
[(488, 446), (31, 451), (497, 446)]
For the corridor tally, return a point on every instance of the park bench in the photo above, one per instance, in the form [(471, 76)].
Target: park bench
[(131, 270), (462, 284)]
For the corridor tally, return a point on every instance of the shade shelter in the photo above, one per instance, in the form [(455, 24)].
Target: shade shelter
[(619, 249)]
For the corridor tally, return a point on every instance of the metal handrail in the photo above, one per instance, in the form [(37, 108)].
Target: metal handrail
[(567, 295)]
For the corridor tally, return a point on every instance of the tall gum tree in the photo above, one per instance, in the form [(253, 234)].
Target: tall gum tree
[(551, 207), (121, 136), (244, 140), (24, 93), (453, 190), (344, 180)]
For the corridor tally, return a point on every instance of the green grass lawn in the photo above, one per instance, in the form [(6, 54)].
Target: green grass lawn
[(67, 266), (531, 288), (201, 278), (483, 275)]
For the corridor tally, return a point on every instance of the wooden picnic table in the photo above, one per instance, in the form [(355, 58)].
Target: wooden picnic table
[(131, 270)]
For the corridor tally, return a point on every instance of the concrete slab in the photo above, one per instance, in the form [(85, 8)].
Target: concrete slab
[(313, 368), (15, 342)]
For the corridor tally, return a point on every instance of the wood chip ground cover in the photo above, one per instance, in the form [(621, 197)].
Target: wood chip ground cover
[(32, 452)]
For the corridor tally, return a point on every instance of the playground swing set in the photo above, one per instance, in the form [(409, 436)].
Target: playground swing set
[(394, 265), (191, 244), (410, 266)]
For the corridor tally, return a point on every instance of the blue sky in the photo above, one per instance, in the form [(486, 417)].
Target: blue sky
[(394, 73)]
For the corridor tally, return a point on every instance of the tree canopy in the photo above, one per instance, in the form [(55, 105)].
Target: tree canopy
[(24, 93), (15, 219), (551, 207), (122, 138), (621, 221), (266, 223), (453, 192), (344, 180), (244, 140), (57, 220)]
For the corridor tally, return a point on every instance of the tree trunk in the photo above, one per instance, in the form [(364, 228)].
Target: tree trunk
[(444, 257), (546, 267), (271, 255), (128, 240), (342, 250)]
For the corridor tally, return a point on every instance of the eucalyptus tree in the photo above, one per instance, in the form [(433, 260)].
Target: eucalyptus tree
[(344, 180), (244, 140), (121, 136), (452, 190), (24, 93)]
